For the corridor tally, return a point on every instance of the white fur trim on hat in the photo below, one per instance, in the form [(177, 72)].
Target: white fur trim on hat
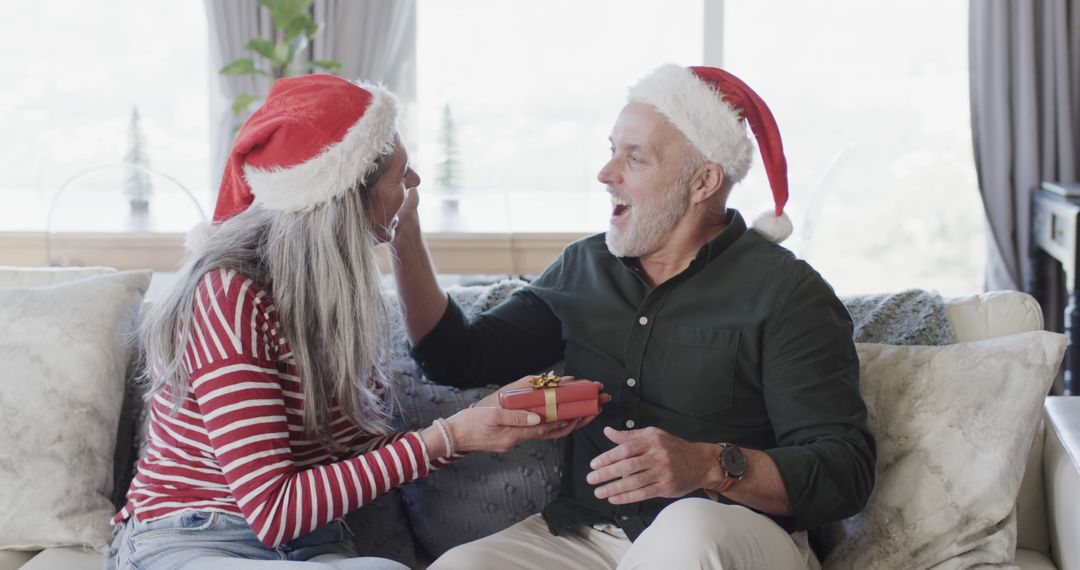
[(711, 124), (197, 236), (774, 228), (337, 168)]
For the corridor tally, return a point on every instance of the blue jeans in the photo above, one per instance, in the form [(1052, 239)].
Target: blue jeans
[(199, 539)]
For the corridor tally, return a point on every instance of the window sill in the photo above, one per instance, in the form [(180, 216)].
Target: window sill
[(457, 253)]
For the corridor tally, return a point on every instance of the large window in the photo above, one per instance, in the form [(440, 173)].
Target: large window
[(872, 102), (531, 90), (516, 101), (74, 72)]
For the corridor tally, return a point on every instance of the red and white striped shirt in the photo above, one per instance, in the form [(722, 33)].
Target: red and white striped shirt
[(237, 444)]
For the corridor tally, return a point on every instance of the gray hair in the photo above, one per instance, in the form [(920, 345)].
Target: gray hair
[(693, 161), (319, 267)]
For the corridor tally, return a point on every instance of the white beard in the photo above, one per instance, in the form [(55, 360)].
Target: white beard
[(650, 221)]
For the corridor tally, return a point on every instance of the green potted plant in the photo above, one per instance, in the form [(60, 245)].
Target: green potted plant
[(294, 28)]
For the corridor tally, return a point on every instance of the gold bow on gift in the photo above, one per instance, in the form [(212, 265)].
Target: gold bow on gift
[(545, 380)]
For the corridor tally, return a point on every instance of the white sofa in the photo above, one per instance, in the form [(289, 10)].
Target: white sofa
[(1048, 513)]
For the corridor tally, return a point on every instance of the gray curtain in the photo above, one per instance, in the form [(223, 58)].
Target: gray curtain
[(231, 23), (373, 39), (1025, 108)]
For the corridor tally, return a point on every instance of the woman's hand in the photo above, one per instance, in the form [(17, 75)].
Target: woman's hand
[(496, 429), (554, 430)]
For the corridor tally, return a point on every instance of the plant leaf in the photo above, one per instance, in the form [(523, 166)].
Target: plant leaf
[(263, 47), (242, 66), (285, 11), (327, 64), (242, 102), (282, 54), (298, 25)]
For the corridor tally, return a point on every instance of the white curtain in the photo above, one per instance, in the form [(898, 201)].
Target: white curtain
[(373, 40)]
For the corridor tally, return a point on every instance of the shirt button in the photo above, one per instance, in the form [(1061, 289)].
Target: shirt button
[(643, 320), (630, 424), (631, 382)]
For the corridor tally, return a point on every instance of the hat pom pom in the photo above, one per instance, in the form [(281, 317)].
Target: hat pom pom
[(774, 228), (197, 237)]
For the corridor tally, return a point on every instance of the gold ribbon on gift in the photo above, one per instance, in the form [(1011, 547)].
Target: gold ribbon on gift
[(550, 409), (547, 381)]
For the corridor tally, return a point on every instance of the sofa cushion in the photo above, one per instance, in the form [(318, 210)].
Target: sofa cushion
[(1032, 560), (65, 349), (953, 426), (22, 277), (993, 314)]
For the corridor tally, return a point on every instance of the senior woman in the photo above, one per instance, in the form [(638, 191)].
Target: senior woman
[(268, 394)]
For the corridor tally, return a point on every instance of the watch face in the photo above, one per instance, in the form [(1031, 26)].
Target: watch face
[(733, 461)]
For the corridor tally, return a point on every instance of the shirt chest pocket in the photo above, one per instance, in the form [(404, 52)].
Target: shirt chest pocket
[(698, 374)]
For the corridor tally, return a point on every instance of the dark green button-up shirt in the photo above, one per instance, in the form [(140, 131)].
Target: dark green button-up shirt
[(748, 345)]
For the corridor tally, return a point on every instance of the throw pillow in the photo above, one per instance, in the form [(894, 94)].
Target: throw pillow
[(64, 349), (381, 528), (481, 493), (23, 277), (953, 426), (484, 492)]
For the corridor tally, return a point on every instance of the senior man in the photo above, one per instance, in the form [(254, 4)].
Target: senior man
[(736, 423)]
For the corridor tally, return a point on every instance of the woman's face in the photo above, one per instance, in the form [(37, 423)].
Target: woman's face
[(388, 192)]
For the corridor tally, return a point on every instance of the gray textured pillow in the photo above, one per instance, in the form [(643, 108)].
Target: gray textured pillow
[(64, 349), (484, 492), (952, 425), (381, 528)]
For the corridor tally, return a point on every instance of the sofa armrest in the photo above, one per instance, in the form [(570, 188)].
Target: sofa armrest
[(1061, 467)]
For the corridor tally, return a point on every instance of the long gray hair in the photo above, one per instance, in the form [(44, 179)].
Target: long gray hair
[(320, 268)]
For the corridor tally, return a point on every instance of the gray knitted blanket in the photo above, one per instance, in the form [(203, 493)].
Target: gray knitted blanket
[(909, 317)]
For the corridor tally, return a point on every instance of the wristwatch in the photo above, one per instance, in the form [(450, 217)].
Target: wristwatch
[(732, 463)]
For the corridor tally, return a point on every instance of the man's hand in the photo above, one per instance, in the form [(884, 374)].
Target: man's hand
[(649, 463), (408, 220)]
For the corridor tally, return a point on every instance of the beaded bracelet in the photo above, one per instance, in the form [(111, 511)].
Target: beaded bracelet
[(447, 440)]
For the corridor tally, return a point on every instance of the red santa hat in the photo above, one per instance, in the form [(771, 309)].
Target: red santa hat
[(314, 138), (709, 106)]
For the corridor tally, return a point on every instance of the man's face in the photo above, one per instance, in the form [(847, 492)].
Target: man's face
[(642, 175)]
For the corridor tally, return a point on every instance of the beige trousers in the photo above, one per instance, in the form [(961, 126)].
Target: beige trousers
[(691, 533)]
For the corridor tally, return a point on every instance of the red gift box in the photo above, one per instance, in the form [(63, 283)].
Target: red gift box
[(574, 399)]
